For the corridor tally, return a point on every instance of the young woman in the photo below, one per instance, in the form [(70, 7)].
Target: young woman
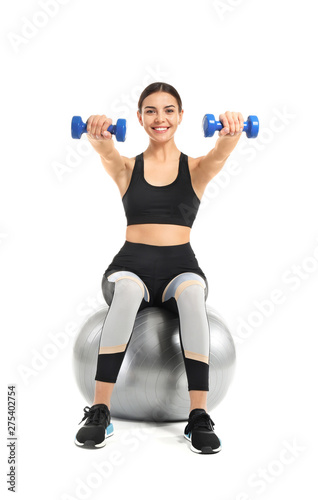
[(161, 191)]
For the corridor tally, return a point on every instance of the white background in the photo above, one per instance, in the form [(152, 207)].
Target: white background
[(254, 232)]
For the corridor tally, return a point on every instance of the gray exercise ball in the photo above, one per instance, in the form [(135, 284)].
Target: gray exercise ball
[(152, 383)]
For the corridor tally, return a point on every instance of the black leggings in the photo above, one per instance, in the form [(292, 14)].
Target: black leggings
[(157, 266)]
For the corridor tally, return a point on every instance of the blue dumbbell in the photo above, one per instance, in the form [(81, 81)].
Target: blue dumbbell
[(79, 127), (251, 126)]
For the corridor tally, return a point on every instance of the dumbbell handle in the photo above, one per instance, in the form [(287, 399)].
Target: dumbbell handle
[(111, 129), (219, 126)]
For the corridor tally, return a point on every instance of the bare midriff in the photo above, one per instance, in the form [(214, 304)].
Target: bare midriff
[(158, 234)]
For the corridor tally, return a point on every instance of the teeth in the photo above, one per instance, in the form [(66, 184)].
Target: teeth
[(165, 128)]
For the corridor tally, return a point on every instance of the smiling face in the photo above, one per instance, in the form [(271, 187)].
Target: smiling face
[(160, 116)]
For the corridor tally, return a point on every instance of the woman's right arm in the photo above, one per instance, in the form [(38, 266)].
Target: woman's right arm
[(102, 142)]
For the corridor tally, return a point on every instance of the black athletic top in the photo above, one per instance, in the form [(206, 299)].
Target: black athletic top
[(175, 203)]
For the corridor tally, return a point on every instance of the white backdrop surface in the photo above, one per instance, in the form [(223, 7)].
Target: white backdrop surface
[(255, 236)]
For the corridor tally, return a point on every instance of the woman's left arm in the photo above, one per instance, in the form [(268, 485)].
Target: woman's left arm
[(229, 136)]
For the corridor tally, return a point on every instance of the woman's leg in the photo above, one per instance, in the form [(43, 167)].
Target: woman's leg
[(189, 292), (103, 392), (198, 399), (128, 291)]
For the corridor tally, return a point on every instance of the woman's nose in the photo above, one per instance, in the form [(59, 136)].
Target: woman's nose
[(160, 117)]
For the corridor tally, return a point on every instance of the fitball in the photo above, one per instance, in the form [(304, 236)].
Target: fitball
[(152, 383)]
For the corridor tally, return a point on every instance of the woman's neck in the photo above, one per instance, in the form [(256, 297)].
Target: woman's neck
[(162, 152)]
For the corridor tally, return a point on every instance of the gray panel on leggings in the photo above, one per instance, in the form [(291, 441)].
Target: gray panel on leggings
[(194, 325), (178, 280), (121, 315), (118, 274)]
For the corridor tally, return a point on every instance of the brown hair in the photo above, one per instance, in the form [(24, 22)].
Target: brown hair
[(159, 87)]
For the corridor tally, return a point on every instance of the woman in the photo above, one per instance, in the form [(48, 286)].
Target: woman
[(161, 191)]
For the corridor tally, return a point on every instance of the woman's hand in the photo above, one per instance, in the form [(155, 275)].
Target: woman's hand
[(232, 122), (97, 126)]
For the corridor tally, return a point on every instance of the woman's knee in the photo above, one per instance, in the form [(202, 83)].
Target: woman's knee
[(191, 295), (125, 287), (191, 283)]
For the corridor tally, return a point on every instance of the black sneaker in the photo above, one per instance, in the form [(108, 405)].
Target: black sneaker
[(200, 432), (97, 428)]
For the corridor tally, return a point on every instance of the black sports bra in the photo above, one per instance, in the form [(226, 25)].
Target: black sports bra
[(175, 203)]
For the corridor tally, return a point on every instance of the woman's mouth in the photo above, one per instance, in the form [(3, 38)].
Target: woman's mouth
[(160, 130)]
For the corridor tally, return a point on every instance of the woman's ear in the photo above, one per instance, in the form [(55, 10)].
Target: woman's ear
[(139, 118)]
